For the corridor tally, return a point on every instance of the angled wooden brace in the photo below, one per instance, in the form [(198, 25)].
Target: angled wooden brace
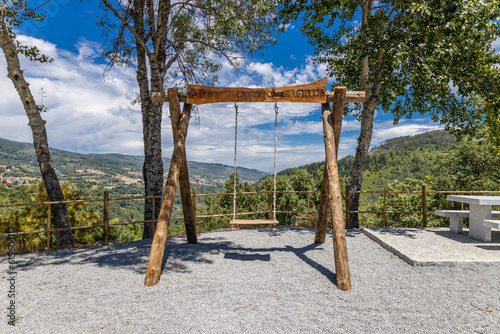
[(187, 203), (160, 238), (323, 212)]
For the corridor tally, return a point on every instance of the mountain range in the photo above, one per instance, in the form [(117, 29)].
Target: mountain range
[(20, 159)]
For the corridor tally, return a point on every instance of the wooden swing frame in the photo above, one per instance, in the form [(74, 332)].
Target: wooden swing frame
[(330, 199)]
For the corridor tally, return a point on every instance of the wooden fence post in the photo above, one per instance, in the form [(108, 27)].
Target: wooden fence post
[(270, 201), (424, 206), (385, 199), (308, 203), (154, 224), (194, 208), (105, 219), (49, 214), (347, 224), (323, 211), (335, 200)]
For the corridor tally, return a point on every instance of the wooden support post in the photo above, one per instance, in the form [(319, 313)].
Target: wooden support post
[(160, 238), (424, 206), (308, 205), (194, 208), (385, 200), (339, 238), (49, 214), (154, 224), (270, 201), (105, 219), (347, 225), (187, 204), (322, 223)]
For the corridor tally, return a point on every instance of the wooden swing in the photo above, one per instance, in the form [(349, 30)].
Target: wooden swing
[(272, 220), (330, 200)]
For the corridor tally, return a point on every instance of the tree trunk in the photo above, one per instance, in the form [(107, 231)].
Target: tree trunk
[(152, 170), (37, 124), (153, 165), (365, 137), (372, 90)]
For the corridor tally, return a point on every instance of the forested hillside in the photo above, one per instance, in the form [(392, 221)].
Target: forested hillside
[(21, 160), (396, 159)]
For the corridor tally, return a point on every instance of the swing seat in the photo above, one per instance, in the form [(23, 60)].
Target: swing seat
[(269, 222)]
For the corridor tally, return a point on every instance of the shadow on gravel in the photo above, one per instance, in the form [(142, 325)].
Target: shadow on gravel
[(179, 255), (247, 257), (464, 237), (300, 252), (405, 232)]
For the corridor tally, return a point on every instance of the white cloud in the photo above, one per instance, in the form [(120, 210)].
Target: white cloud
[(387, 130), (496, 45), (83, 108)]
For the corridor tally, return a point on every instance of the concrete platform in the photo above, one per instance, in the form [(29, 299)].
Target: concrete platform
[(436, 246)]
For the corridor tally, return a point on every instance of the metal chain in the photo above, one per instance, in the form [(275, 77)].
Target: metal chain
[(196, 115), (235, 150), (276, 112)]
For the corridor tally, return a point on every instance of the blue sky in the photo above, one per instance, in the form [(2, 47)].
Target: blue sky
[(89, 113)]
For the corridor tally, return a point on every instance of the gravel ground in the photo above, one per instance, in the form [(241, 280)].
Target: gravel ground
[(248, 281)]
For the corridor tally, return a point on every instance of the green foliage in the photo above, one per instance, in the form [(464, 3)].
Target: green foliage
[(13, 14), (410, 200), (474, 165), (426, 56), (435, 159), (193, 31), (401, 158), (300, 180), (34, 217)]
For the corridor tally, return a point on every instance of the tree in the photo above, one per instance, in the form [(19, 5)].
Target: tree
[(178, 42), (419, 56), (13, 14), (474, 165)]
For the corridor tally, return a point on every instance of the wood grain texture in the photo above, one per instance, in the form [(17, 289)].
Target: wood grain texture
[(352, 97), (185, 188), (314, 92), (160, 237), (338, 233), (322, 222)]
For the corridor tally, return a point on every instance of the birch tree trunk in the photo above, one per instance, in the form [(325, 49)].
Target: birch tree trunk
[(364, 141), (37, 125), (372, 91)]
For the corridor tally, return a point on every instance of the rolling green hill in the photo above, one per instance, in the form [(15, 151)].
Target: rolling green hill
[(22, 160), (395, 159)]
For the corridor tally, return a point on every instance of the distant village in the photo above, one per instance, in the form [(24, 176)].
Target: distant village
[(133, 178)]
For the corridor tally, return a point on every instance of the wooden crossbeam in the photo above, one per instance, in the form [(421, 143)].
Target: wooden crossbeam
[(353, 97)]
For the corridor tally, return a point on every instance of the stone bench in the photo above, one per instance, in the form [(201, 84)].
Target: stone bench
[(457, 218), (492, 223)]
